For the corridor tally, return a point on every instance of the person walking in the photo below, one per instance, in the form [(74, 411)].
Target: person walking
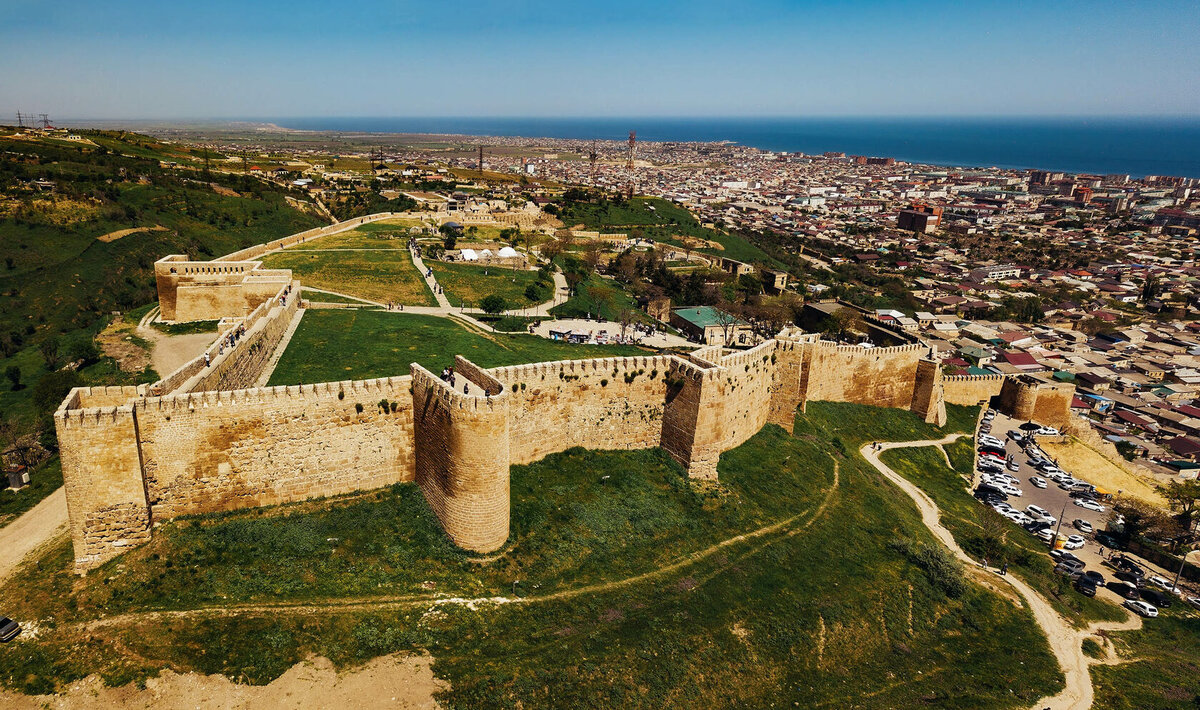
[(1004, 569)]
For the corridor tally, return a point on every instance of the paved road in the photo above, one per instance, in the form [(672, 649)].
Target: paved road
[(31, 530)]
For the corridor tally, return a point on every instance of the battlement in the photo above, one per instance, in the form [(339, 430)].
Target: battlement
[(754, 354), (974, 378)]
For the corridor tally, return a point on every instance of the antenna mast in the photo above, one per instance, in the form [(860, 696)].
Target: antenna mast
[(592, 159), (480, 160), (632, 149)]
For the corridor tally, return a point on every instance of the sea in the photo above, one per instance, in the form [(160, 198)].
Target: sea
[(1133, 146)]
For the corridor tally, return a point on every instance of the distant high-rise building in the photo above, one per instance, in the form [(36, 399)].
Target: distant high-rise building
[(921, 218)]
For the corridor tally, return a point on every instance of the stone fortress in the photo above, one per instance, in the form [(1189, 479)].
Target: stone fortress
[(204, 439)]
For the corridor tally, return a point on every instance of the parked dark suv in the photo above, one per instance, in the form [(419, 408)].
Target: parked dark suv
[(9, 629), (1156, 597)]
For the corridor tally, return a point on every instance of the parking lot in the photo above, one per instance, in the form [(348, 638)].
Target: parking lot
[(1059, 503)]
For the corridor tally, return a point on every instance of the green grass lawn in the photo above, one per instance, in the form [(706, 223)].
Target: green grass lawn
[(322, 297), (982, 532), (598, 296), (473, 283), (360, 237), (382, 276), (1163, 669), (822, 611), (337, 345)]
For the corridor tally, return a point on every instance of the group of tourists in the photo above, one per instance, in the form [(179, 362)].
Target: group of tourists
[(227, 341)]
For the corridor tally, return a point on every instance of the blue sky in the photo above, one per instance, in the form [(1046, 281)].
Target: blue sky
[(524, 58)]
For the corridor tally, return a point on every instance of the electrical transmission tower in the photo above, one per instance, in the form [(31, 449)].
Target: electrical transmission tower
[(632, 149), (44, 119), (20, 120), (592, 159)]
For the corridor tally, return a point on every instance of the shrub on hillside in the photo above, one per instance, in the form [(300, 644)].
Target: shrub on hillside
[(939, 566), (493, 304)]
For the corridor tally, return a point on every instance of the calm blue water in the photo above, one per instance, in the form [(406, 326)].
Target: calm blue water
[(1135, 146)]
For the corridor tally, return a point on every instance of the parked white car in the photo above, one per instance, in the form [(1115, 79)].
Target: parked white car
[(1048, 431), (1083, 526), (1088, 505), (1040, 514), (1074, 542), (1142, 608), (1037, 481), (1163, 583)]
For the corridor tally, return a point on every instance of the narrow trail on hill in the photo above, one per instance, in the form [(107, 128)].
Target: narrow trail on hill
[(787, 527), (1066, 641)]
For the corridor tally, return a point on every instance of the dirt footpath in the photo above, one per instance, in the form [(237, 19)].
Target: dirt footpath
[(31, 530), (397, 681), (1066, 642)]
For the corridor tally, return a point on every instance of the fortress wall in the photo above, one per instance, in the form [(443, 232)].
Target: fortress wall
[(462, 459), (214, 451), (213, 302), (611, 403), (746, 386), (300, 237), (237, 367), (1029, 398), (786, 393), (1053, 405), (929, 397), (883, 377), (693, 422), (109, 396), (102, 479), (970, 390)]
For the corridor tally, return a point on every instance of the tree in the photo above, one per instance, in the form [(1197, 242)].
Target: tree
[(1139, 519), (49, 348), (493, 304), (591, 255), (726, 320), (1151, 288), (13, 373), (842, 322), (83, 349), (1183, 497), (749, 286)]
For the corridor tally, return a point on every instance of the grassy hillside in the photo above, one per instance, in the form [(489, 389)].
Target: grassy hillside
[(80, 229), (661, 220), (353, 345), (790, 583), (982, 532)]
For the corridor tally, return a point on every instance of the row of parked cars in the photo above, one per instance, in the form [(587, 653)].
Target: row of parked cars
[(998, 485)]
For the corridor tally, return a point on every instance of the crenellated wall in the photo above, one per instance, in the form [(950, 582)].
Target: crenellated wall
[(883, 377), (611, 403), (131, 455), (970, 390)]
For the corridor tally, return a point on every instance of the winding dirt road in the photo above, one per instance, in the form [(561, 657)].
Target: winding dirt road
[(1066, 641), (31, 530)]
